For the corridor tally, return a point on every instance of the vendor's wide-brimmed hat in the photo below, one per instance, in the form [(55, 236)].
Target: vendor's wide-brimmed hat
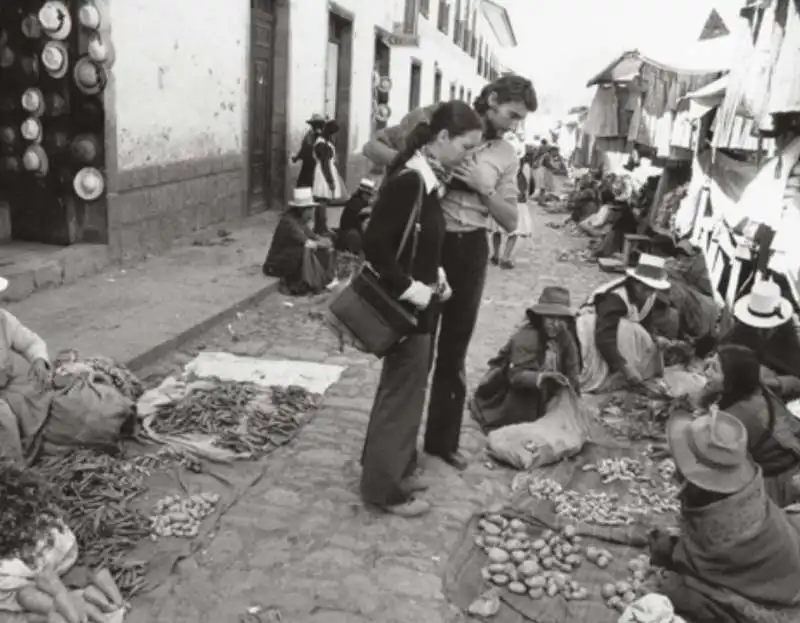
[(55, 59), (303, 198), (90, 77), (764, 307), (554, 301), (710, 451), (316, 120), (651, 271), (55, 20), (89, 184), (33, 102), (35, 160), (94, 15)]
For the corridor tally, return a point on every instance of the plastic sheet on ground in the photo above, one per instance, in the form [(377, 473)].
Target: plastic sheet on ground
[(462, 577), (209, 368)]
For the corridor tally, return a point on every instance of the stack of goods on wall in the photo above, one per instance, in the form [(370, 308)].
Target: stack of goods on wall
[(55, 59)]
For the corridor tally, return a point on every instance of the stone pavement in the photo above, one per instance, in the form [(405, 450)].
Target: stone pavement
[(300, 541)]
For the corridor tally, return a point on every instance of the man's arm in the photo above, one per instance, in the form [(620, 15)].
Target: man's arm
[(502, 204), (383, 147)]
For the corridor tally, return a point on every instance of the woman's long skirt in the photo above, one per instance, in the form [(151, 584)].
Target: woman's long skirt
[(390, 447)]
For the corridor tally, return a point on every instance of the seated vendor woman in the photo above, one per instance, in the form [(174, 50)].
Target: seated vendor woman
[(24, 394), (765, 323), (622, 327), (355, 215), (302, 260), (541, 358), (773, 432), (737, 556)]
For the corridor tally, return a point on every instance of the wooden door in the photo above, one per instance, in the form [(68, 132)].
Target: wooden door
[(261, 55)]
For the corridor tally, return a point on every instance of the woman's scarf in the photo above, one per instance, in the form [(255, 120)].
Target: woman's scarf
[(437, 167)]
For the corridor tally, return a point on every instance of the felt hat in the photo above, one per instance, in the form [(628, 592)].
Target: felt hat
[(94, 15), (90, 77), (85, 149), (31, 130), (7, 57), (29, 66), (35, 160), (553, 301), (10, 164), (316, 120), (55, 104), (651, 271), (56, 141), (33, 102), (89, 184), (55, 59), (764, 307), (55, 19), (31, 27), (3, 37), (302, 198), (101, 50), (710, 451), (9, 137)]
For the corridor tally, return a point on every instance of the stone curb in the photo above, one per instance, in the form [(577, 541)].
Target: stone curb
[(152, 355)]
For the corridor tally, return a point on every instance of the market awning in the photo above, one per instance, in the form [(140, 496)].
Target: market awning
[(705, 99)]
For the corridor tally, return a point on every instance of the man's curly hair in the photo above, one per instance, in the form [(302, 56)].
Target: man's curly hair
[(509, 88)]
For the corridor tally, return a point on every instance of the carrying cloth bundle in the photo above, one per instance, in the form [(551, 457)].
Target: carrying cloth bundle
[(373, 319)]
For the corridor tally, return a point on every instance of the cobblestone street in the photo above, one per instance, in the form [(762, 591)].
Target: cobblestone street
[(300, 541)]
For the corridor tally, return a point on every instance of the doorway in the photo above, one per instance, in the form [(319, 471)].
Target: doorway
[(262, 22), (338, 81), (437, 86)]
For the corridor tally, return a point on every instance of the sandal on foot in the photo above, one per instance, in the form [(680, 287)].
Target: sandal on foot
[(411, 508)]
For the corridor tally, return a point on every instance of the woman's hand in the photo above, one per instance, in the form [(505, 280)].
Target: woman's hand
[(476, 177), (40, 373), (443, 288), (661, 545)]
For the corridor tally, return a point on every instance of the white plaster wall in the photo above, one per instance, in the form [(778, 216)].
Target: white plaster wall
[(180, 80)]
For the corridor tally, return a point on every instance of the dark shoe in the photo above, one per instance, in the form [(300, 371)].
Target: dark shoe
[(495, 260), (456, 459), (411, 508), (507, 264)]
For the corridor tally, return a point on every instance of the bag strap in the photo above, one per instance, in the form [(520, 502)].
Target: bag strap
[(412, 226)]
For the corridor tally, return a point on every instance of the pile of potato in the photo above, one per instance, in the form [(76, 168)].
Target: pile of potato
[(539, 567), (619, 595), (181, 517)]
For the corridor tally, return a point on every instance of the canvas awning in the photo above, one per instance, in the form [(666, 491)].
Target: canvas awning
[(705, 99)]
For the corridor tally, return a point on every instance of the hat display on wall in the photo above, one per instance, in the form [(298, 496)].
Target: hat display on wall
[(3, 37), (85, 149), (55, 20), (94, 15), (764, 308), (90, 77), (651, 271), (7, 57), (89, 184), (33, 102), (56, 142), (31, 130), (30, 66), (55, 104), (9, 137), (101, 50), (35, 161), (10, 164), (55, 59), (31, 27)]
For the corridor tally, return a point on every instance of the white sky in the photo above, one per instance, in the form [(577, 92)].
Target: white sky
[(563, 43)]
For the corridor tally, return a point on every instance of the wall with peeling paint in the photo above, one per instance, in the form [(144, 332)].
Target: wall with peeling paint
[(180, 85)]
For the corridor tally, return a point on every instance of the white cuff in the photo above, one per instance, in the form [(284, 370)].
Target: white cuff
[(442, 275), (409, 293)]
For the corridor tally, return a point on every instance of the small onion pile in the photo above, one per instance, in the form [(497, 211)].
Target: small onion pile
[(181, 517), (539, 567), (619, 595)]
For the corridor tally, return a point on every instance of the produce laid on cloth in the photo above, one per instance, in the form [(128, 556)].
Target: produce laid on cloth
[(545, 566), (108, 371), (94, 492), (242, 417), (635, 416), (181, 517)]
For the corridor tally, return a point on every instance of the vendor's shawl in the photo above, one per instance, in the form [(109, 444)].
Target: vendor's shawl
[(739, 557)]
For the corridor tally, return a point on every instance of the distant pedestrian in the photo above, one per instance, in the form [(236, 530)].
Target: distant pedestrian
[(305, 155), (328, 184), (418, 173)]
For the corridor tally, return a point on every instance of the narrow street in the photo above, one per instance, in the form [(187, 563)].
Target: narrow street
[(299, 541)]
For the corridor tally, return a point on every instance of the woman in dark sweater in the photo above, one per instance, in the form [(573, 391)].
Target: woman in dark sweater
[(419, 172)]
